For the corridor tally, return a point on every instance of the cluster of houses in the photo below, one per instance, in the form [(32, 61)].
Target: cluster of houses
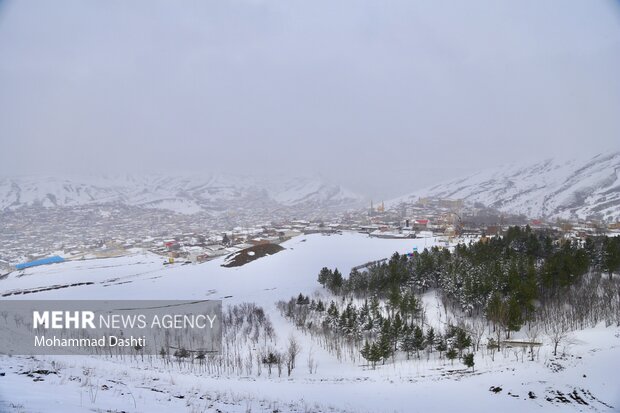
[(421, 219), (453, 218), (197, 248)]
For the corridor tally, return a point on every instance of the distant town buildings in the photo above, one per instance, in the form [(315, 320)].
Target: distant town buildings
[(33, 235)]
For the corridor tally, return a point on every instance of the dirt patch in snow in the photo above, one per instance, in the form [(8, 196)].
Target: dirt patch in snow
[(248, 255)]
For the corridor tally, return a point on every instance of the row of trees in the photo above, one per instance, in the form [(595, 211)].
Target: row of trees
[(249, 347), (413, 340), (377, 331)]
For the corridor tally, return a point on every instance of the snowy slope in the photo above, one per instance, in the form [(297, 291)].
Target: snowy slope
[(427, 385), (311, 191), (577, 188), (264, 281), (184, 194)]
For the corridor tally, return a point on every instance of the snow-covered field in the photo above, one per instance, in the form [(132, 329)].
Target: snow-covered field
[(585, 376), (264, 281)]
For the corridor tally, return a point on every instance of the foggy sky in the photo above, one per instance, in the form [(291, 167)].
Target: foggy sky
[(381, 96)]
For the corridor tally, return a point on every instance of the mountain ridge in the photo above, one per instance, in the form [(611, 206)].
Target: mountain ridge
[(183, 194), (581, 188)]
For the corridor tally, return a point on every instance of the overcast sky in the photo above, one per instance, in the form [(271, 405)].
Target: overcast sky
[(383, 96)]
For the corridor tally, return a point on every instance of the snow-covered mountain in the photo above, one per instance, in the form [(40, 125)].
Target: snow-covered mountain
[(577, 188), (184, 194)]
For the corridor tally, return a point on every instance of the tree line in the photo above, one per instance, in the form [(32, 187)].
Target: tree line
[(506, 279), (539, 279)]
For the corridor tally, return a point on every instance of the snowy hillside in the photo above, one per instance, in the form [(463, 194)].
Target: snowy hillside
[(584, 377), (263, 281), (311, 191), (578, 188), (184, 194)]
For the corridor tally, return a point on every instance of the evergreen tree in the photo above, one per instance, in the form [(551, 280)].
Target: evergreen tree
[(495, 310), (375, 307), (397, 329), (366, 351), (468, 360), (410, 307), (336, 282), (407, 343), (461, 339), (333, 310), (364, 313), (301, 300), (451, 354), (529, 291), (357, 283), (333, 315), (376, 354), (325, 276), (514, 317), (386, 340), (441, 345), (611, 255), (394, 299), (418, 340), (430, 339)]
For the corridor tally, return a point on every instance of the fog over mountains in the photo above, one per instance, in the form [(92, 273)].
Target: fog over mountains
[(554, 188), (182, 194)]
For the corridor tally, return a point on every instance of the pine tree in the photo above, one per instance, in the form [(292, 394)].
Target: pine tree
[(333, 310), (349, 323), (394, 299), (441, 345), (451, 354), (410, 307), (366, 351), (407, 342), (397, 329), (385, 340), (418, 340), (364, 313), (529, 290), (375, 307), (468, 360), (461, 340), (336, 281), (325, 276), (357, 282), (514, 317), (430, 339), (333, 315), (376, 354), (611, 255), (496, 313)]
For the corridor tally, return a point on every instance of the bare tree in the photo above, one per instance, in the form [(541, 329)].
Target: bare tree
[(532, 334), (311, 363), (279, 363), (293, 350), (556, 325), (476, 330)]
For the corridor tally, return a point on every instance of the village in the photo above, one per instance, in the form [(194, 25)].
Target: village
[(190, 239)]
